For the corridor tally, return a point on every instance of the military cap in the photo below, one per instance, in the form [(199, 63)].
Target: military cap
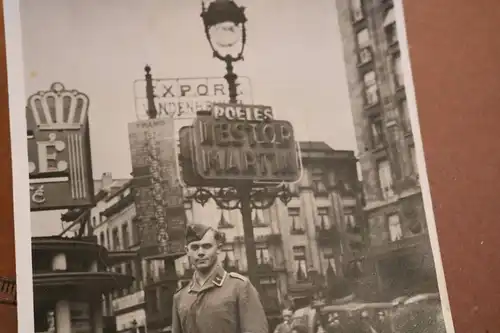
[(195, 232)]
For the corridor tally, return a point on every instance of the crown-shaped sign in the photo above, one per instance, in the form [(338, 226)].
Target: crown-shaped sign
[(59, 108)]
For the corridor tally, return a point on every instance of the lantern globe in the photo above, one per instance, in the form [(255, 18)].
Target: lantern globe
[(224, 23)]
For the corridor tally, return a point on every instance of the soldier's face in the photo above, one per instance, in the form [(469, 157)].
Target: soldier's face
[(203, 253)]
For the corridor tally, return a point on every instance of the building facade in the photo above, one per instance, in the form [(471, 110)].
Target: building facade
[(310, 237), (112, 223), (398, 247)]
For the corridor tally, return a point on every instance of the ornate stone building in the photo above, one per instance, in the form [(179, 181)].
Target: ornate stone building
[(398, 250)]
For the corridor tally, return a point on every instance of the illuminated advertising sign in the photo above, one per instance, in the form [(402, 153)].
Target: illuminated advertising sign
[(183, 97), (158, 195), (244, 142), (59, 156)]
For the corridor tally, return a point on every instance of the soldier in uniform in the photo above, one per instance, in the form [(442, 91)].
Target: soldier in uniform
[(215, 301)]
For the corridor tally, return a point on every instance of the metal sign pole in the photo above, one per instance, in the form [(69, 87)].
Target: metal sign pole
[(244, 193)]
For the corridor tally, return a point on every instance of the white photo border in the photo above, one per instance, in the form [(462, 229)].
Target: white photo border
[(17, 94), (20, 181)]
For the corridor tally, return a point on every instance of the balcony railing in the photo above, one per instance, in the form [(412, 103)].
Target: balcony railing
[(128, 301), (161, 276), (269, 238), (266, 266)]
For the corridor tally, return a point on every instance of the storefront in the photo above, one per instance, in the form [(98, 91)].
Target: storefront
[(70, 275)]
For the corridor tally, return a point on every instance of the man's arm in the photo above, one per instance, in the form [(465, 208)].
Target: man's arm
[(251, 313), (176, 323)]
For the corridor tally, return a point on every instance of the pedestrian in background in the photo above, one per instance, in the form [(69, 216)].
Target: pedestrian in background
[(215, 301), (285, 326), (419, 318)]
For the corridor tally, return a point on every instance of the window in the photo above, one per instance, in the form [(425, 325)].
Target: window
[(354, 232), (363, 38), (329, 256), (270, 296), (323, 221), (126, 236), (371, 89), (390, 27), (116, 239), (395, 230), (413, 158), (188, 208), (136, 231), (350, 222), (94, 221), (152, 303), (224, 219), (294, 215), (357, 10), (405, 116), (397, 71), (118, 270), (187, 267), (137, 273), (328, 253), (385, 178), (108, 240), (258, 218), (377, 132), (227, 257), (317, 180), (294, 188), (300, 263), (364, 50), (262, 254), (128, 271), (102, 240)]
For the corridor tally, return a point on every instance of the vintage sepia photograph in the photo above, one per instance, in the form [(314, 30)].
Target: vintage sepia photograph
[(221, 166)]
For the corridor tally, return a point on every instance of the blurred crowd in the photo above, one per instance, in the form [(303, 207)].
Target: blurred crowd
[(413, 318)]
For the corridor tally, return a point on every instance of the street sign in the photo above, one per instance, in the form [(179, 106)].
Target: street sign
[(60, 169), (183, 97), (244, 142), (158, 195)]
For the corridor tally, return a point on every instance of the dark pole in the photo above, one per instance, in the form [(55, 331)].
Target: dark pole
[(231, 80), (248, 235), (244, 193), (170, 278), (152, 113)]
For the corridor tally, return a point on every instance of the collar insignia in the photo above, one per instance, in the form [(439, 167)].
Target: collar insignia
[(218, 279)]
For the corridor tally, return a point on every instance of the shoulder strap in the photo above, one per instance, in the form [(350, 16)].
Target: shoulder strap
[(182, 286), (237, 276)]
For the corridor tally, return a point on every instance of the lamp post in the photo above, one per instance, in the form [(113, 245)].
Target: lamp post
[(225, 30), (224, 23)]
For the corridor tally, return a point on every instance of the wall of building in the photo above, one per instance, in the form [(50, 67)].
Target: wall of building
[(118, 233), (287, 236), (394, 208)]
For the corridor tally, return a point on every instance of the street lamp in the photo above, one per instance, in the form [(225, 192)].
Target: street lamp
[(224, 23), (225, 30)]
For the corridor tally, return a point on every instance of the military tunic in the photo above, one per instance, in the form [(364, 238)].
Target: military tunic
[(226, 303)]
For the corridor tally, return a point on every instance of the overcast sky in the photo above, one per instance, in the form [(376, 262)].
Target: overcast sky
[(293, 58)]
